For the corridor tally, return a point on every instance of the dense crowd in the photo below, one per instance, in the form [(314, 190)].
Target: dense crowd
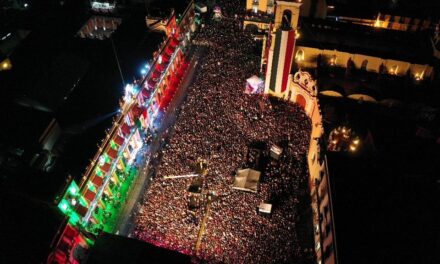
[(218, 122)]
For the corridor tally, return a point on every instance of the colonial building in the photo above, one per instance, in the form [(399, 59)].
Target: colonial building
[(92, 203), (300, 88)]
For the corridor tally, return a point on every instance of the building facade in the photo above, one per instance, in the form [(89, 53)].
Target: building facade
[(93, 205), (300, 88)]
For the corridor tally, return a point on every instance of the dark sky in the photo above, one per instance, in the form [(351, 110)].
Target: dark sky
[(410, 8)]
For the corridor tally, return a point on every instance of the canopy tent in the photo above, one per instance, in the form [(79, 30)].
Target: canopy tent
[(254, 85), (247, 180), (275, 151), (265, 208)]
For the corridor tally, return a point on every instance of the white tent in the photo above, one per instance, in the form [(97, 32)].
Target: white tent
[(247, 180), (254, 85)]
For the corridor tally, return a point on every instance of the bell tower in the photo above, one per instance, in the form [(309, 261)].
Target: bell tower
[(279, 46), (287, 13)]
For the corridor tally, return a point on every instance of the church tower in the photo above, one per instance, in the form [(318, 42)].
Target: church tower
[(278, 50)]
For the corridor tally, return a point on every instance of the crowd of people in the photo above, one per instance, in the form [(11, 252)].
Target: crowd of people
[(218, 122)]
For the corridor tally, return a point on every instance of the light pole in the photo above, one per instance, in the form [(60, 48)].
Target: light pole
[(117, 61)]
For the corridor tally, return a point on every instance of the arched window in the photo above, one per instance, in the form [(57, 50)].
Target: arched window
[(301, 101), (299, 55), (255, 6), (289, 95), (252, 28), (270, 6), (364, 65), (286, 20), (394, 70), (332, 61)]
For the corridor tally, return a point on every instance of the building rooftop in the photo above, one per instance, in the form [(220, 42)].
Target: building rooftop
[(413, 47), (163, 9), (370, 9), (110, 248), (381, 193), (28, 226)]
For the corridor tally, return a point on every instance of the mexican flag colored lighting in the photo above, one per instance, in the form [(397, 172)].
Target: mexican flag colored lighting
[(73, 188), (64, 206), (74, 218)]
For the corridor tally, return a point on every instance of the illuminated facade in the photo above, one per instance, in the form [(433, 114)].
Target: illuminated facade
[(94, 204), (306, 58), (103, 6), (263, 6), (260, 13), (300, 88), (278, 50), (99, 27)]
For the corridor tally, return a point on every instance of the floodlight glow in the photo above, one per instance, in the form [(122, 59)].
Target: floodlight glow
[(129, 88), (64, 206), (101, 160), (143, 71), (73, 188), (25, 5)]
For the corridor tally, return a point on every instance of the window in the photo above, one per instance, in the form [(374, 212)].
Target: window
[(333, 60), (394, 70), (322, 174), (364, 65), (327, 229), (255, 6), (325, 210), (328, 250), (299, 55), (270, 9), (286, 20)]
